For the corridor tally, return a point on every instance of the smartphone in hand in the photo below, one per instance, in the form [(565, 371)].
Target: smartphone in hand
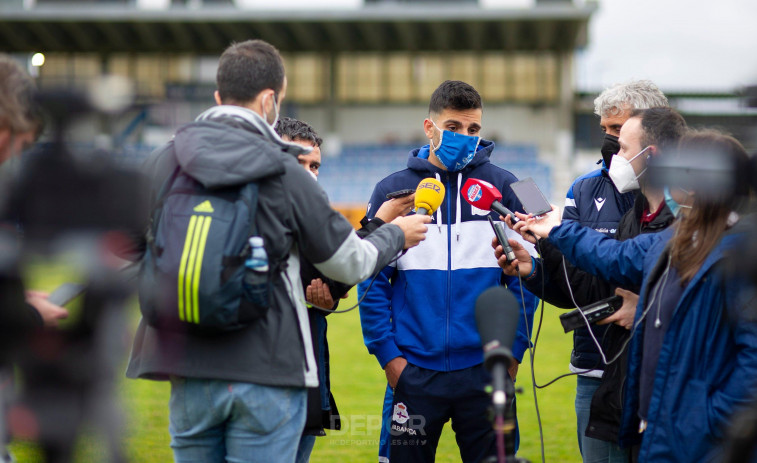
[(66, 293), (533, 200), (399, 193)]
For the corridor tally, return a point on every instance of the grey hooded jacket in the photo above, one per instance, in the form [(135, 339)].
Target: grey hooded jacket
[(230, 145)]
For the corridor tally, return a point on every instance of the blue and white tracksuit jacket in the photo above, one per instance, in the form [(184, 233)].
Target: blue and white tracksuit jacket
[(422, 306)]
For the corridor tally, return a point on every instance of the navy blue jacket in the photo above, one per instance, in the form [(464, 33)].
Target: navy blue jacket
[(422, 307), (592, 201), (707, 365)]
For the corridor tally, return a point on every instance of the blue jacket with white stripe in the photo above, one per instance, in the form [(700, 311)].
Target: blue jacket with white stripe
[(422, 306), (593, 201)]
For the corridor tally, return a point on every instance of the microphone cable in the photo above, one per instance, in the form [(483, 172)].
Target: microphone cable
[(586, 320), (532, 354), (538, 332), (532, 351), (357, 304), (635, 325), (603, 359)]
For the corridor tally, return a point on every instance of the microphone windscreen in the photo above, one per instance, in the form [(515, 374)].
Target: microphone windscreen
[(497, 313), (480, 193), (429, 195)]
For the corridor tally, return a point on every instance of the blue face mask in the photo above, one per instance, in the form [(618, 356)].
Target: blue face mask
[(672, 204), (455, 150)]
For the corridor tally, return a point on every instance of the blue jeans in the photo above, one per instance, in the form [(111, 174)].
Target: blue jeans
[(213, 421), (593, 450), (307, 442)]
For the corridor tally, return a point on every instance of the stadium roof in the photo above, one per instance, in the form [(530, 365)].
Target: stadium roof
[(110, 28)]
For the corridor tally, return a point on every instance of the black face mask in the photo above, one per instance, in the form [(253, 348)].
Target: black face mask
[(610, 146)]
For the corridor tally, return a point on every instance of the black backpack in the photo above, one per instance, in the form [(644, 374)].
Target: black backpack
[(191, 276)]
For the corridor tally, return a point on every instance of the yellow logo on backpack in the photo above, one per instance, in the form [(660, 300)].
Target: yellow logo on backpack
[(204, 206), (191, 266)]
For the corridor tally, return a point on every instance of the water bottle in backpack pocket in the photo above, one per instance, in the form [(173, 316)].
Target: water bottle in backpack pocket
[(255, 280), (194, 275)]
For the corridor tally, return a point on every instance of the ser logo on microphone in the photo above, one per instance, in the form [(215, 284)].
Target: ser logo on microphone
[(429, 186), (474, 193)]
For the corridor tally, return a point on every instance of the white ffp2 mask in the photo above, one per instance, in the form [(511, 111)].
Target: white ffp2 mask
[(622, 174)]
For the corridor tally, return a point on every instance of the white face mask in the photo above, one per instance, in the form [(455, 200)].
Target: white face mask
[(622, 174), (276, 110)]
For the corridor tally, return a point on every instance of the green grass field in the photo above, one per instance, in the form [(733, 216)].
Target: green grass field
[(358, 385)]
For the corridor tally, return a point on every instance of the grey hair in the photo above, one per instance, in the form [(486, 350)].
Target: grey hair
[(18, 112), (637, 94)]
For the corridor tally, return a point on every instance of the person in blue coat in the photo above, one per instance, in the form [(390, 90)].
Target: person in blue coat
[(693, 354)]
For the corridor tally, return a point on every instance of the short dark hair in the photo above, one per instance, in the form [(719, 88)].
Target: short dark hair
[(454, 94), (246, 69), (297, 130), (662, 127)]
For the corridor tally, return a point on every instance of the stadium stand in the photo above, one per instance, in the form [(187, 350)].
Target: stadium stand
[(350, 177)]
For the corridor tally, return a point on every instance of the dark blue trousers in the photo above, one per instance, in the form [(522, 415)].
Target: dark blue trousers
[(424, 400)]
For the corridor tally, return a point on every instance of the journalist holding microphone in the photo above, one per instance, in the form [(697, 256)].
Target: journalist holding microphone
[(647, 135), (240, 395), (693, 353)]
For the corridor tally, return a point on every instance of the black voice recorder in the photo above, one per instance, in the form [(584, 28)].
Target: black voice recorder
[(594, 312)]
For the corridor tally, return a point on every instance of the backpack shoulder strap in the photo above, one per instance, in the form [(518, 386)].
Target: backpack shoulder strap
[(157, 208), (248, 194), (166, 187)]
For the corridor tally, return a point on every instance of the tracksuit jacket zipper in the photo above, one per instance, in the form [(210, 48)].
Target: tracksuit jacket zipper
[(449, 272)]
